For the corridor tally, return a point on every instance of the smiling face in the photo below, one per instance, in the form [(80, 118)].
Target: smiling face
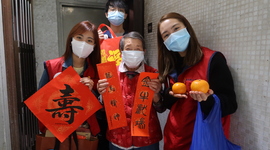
[(169, 26)]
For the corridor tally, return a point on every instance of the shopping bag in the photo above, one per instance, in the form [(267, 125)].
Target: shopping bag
[(46, 143), (109, 48), (208, 133)]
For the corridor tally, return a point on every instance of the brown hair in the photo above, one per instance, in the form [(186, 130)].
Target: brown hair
[(167, 59), (80, 28)]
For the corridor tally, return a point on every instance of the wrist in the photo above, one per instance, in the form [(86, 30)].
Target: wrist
[(157, 99)]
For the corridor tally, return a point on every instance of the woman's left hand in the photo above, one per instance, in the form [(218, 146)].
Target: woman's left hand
[(87, 82), (200, 96)]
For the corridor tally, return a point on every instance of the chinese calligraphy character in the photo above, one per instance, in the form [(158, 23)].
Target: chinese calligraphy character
[(111, 89), (145, 80), (144, 95), (108, 75), (65, 105), (114, 103), (140, 123), (141, 109), (116, 116)]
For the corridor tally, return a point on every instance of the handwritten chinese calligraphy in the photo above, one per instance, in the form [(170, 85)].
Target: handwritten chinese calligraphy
[(111, 89), (112, 99), (114, 103), (65, 103), (142, 105), (144, 95), (116, 116), (145, 80), (140, 123), (108, 75), (141, 109)]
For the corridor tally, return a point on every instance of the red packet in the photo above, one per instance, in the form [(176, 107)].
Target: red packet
[(142, 105), (63, 104), (112, 98)]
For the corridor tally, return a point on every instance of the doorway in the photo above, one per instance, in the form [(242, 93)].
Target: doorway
[(70, 14)]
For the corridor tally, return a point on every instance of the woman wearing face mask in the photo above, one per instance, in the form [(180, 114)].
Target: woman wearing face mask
[(182, 59), (82, 53), (116, 12), (132, 47)]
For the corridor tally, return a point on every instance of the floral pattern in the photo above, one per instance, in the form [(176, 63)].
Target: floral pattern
[(111, 55)]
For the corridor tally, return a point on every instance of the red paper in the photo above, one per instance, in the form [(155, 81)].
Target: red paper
[(112, 98), (142, 105), (63, 104)]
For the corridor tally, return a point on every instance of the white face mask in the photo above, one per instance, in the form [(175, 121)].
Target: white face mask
[(81, 48), (132, 58)]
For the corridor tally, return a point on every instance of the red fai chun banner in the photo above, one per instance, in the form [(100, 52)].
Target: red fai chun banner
[(112, 98), (63, 104), (142, 105)]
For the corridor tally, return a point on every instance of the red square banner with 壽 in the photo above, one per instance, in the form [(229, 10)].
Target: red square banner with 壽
[(63, 104)]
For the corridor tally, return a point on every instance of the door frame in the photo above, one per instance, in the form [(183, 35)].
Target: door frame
[(12, 71), (62, 3)]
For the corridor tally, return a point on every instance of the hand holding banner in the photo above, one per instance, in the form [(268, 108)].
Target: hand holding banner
[(142, 105), (63, 104), (112, 98)]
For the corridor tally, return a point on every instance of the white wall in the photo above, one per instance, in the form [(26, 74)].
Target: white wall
[(240, 29), (4, 115)]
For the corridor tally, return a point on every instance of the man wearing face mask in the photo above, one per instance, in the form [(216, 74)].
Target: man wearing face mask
[(116, 12), (133, 48)]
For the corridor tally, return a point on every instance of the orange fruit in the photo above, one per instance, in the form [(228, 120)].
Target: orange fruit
[(179, 88), (199, 85)]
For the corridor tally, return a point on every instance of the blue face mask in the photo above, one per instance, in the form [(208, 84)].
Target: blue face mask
[(178, 41), (116, 18)]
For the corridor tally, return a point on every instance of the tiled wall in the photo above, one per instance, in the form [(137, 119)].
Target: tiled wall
[(240, 30)]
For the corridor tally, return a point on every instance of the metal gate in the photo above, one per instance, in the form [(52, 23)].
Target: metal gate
[(24, 44)]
